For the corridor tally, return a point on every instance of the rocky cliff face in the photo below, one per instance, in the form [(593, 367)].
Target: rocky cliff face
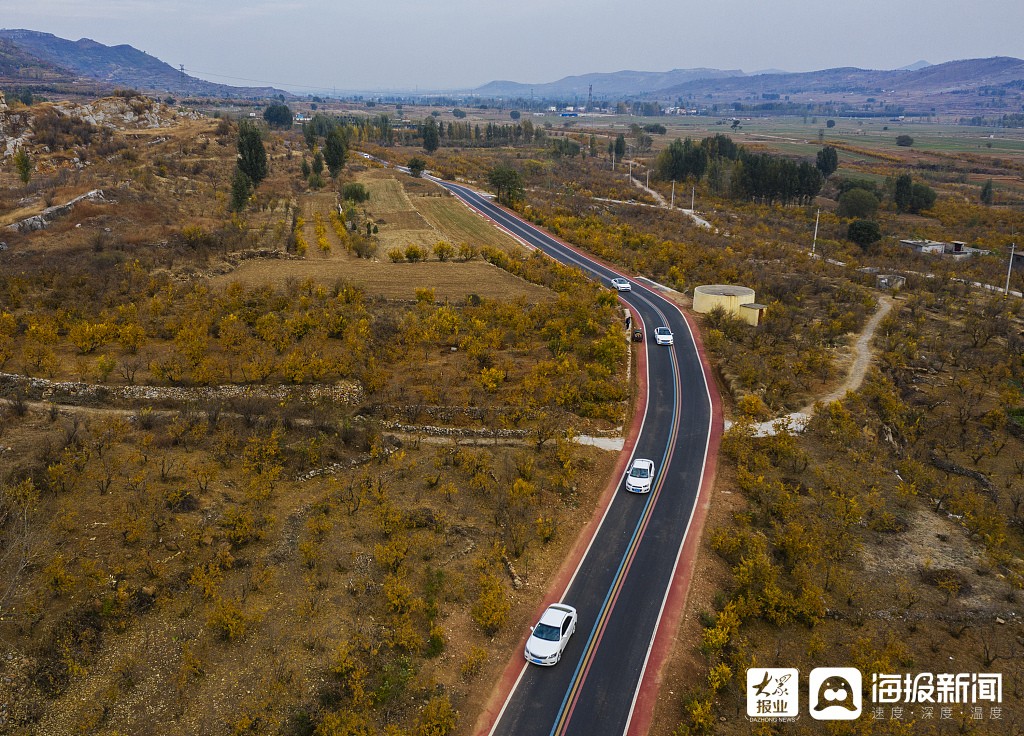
[(14, 129)]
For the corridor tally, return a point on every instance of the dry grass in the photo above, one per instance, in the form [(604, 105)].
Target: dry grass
[(386, 192), (460, 224)]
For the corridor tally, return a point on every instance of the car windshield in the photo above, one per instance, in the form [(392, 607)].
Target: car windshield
[(663, 331), (639, 472), (546, 632)]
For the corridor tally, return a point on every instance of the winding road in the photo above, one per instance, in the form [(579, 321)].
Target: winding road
[(629, 582)]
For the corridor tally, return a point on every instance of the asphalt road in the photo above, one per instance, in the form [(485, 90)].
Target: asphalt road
[(621, 584)]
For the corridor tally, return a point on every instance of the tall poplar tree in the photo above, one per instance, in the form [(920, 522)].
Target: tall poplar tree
[(431, 138), (252, 156), (335, 150)]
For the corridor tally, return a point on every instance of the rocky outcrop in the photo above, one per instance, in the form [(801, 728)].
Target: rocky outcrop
[(14, 129), (116, 113), (47, 216), (126, 113), (77, 393)]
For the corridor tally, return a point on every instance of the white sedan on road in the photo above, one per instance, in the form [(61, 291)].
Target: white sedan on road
[(663, 336), (622, 284), (551, 635), (640, 476)]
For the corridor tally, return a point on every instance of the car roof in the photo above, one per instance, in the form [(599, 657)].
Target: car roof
[(662, 329), (643, 461), (556, 614)]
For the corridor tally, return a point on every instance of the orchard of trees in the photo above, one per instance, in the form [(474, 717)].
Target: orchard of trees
[(758, 177)]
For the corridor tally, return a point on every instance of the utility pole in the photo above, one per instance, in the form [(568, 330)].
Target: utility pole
[(693, 198), (814, 243), (648, 178), (1009, 269), (672, 205), (631, 171)]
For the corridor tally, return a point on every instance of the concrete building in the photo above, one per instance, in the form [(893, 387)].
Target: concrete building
[(890, 281), (957, 250), (737, 300)]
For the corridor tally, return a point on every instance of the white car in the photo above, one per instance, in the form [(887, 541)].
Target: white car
[(663, 336), (640, 476), (551, 634), (621, 284)]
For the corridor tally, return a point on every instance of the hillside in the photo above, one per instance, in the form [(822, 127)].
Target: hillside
[(969, 74), (15, 62), (24, 51)]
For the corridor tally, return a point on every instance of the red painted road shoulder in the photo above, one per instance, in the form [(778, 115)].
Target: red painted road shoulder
[(675, 602)]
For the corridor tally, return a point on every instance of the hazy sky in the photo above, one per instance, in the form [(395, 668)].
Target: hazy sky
[(459, 44)]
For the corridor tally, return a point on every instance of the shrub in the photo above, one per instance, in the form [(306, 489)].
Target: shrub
[(365, 248), (414, 253), (240, 526), (437, 718), (492, 604), (278, 115), (864, 232), (468, 251), (226, 620), (416, 166), (473, 662), (355, 192), (904, 140), (858, 203), (436, 642), (443, 250)]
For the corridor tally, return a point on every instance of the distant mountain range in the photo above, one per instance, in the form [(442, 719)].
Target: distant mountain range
[(973, 87), (954, 75), (612, 85), (921, 78), (33, 57)]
